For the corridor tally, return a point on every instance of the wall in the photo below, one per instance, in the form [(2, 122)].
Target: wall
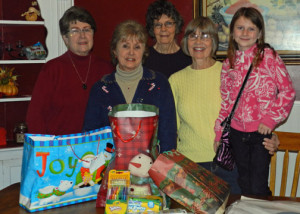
[(109, 13), (294, 72)]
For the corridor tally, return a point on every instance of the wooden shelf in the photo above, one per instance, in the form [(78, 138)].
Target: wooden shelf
[(22, 61), (15, 22), (11, 145), (15, 99)]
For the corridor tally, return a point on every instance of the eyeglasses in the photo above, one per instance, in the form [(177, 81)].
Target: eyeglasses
[(77, 31), (166, 24), (202, 36)]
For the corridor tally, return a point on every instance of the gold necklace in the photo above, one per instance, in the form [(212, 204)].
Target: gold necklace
[(84, 86)]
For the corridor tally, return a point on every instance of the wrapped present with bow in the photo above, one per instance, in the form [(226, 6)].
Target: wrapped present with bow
[(189, 184)]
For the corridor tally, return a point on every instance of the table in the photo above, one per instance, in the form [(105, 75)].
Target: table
[(9, 203)]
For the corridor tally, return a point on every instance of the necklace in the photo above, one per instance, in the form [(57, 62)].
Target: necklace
[(167, 49), (84, 86)]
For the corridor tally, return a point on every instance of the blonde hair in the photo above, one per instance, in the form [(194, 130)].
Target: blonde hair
[(125, 30)]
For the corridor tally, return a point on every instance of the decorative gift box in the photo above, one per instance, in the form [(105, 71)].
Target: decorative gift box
[(194, 187)]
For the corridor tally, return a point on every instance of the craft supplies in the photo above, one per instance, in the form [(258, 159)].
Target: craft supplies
[(145, 204), (118, 184)]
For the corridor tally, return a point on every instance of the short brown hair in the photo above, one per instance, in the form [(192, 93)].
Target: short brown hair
[(74, 14), (205, 25)]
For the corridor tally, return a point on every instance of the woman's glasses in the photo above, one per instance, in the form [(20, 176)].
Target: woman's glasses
[(77, 31), (202, 36), (168, 24)]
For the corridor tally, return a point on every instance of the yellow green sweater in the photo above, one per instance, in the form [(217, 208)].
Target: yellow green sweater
[(198, 101)]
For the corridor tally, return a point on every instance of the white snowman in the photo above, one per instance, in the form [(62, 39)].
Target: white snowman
[(139, 167)]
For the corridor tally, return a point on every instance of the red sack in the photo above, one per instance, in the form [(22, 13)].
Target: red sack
[(134, 128), (191, 185), (132, 135)]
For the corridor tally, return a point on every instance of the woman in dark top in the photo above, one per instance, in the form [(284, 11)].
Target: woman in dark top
[(164, 23), (132, 83)]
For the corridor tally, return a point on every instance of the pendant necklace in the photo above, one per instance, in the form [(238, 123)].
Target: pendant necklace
[(84, 86)]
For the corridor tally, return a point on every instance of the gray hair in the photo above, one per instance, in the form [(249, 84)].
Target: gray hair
[(205, 25)]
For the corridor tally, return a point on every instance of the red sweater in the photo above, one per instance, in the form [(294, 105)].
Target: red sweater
[(58, 101)]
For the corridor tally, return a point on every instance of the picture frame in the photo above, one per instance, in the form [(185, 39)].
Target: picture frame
[(282, 23)]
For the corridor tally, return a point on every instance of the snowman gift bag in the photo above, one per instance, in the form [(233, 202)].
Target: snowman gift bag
[(65, 169), (134, 128)]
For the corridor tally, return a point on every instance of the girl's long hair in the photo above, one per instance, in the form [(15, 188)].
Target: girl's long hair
[(257, 19)]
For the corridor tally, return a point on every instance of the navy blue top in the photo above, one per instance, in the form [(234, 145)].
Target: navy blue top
[(167, 63), (106, 93)]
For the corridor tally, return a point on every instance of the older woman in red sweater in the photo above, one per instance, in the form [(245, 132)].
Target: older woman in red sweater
[(61, 92)]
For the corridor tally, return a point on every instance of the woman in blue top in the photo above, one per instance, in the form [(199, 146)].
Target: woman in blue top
[(132, 83)]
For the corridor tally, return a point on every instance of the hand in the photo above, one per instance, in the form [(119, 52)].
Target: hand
[(271, 144), (216, 145), (263, 129)]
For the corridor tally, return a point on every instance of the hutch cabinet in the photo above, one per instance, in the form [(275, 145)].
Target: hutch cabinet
[(16, 32)]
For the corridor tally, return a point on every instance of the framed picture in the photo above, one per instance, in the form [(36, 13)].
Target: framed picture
[(282, 23)]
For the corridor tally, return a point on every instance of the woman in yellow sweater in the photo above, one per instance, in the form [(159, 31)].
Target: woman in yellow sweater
[(196, 91)]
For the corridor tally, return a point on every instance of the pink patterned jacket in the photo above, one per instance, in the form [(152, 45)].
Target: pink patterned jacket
[(267, 97)]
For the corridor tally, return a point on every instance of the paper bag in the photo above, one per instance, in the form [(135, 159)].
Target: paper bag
[(134, 128), (192, 186), (63, 170)]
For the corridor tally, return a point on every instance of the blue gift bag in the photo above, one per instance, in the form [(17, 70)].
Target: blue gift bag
[(63, 170)]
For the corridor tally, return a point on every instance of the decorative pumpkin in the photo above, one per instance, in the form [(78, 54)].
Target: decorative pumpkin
[(8, 82), (31, 17), (9, 89)]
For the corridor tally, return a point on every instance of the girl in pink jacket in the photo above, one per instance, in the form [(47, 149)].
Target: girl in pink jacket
[(266, 100)]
